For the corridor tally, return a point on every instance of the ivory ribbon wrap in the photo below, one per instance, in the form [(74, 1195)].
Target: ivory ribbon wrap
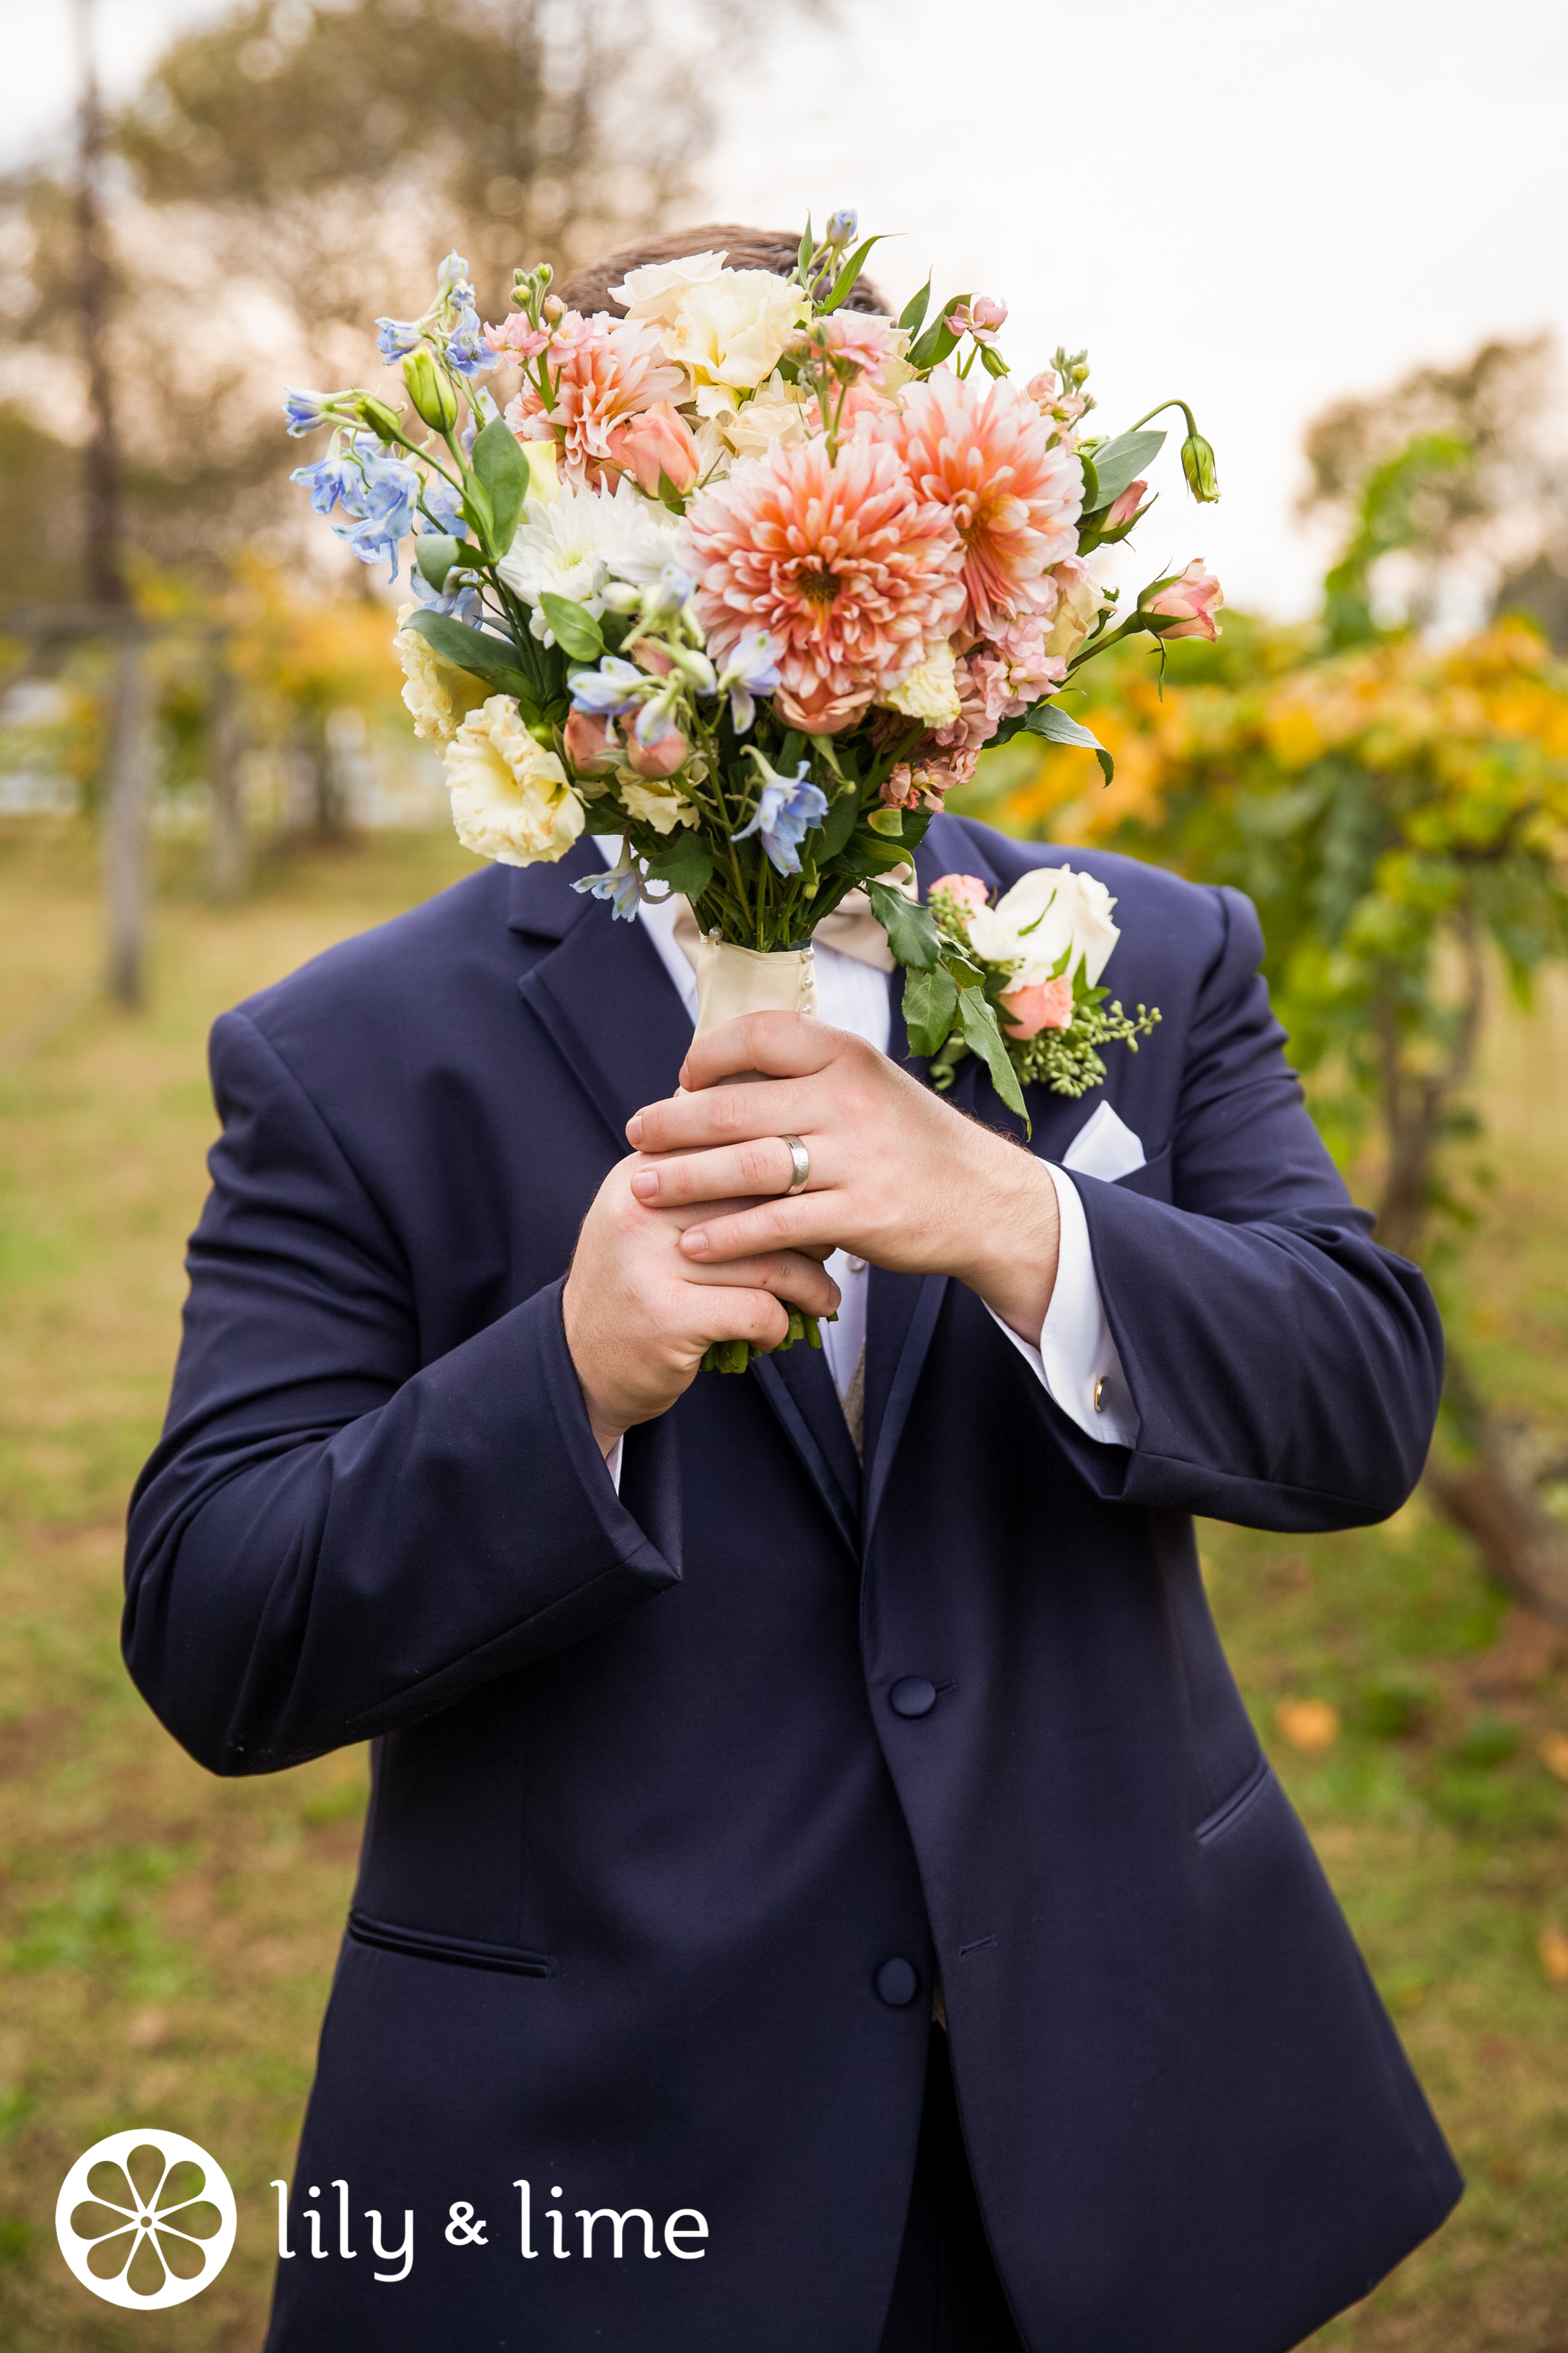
[(733, 981)]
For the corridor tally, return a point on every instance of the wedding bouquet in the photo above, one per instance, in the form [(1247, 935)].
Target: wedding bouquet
[(748, 579)]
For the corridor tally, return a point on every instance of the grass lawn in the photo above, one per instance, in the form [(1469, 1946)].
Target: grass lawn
[(166, 1939)]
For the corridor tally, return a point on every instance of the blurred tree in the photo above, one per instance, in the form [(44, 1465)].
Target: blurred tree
[(1464, 467), (294, 170), (1400, 816)]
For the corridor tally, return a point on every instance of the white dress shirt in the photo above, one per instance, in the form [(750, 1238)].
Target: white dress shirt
[(1076, 1357)]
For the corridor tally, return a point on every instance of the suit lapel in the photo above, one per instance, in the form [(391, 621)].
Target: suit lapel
[(902, 1309), (799, 1386), (602, 993)]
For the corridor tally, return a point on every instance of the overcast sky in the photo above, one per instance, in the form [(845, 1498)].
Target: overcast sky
[(1255, 204)]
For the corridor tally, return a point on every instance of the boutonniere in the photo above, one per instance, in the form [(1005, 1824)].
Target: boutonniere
[(1035, 960)]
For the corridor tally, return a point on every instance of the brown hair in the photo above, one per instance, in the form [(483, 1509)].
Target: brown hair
[(744, 248)]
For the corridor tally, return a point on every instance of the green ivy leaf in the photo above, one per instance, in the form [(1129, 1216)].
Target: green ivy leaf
[(1054, 724), (849, 273), (931, 1004), (577, 633), (912, 929), (686, 865), (501, 466), (837, 826), (982, 1035)]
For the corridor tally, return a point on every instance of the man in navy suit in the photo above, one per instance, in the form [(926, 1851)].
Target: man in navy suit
[(711, 1759)]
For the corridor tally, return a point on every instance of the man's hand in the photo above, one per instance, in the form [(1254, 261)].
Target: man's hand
[(898, 1177), (639, 1312)]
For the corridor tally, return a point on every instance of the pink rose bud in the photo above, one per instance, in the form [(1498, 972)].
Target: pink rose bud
[(1048, 1006), (989, 313), (593, 745), (660, 442), (1125, 508), (659, 759), (964, 892), (1191, 602), (650, 655)]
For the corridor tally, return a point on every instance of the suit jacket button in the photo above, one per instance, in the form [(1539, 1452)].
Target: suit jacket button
[(912, 1695), (897, 1984)]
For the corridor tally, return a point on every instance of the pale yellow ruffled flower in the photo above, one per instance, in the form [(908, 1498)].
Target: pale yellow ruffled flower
[(440, 696), (661, 804), (510, 797), (929, 692), (775, 412), (730, 333)]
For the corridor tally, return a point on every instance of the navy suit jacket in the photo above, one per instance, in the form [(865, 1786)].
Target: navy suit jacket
[(645, 1827)]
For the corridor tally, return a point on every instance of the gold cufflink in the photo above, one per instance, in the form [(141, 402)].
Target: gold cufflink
[(1099, 1393)]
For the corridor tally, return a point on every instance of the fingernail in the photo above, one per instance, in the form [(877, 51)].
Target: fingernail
[(634, 1130), (695, 1242), (645, 1184)]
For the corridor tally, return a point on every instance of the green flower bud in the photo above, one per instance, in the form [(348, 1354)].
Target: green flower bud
[(384, 422), (429, 391), (1199, 466)]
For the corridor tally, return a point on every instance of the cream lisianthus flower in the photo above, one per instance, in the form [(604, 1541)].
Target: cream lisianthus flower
[(929, 692), (1078, 600), (438, 695), (1047, 910), (544, 471), (775, 412), (660, 804), (510, 797), (730, 333)]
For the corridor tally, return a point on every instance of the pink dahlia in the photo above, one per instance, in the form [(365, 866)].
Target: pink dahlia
[(608, 372), (850, 572), (982, 450)]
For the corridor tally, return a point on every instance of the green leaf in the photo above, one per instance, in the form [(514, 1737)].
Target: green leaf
[(577, 633), (864, 853), (500, 463), (931, 1004), (1117, 463), (686, 865), (1092, 500), (888, 822), (808, 248), (472, 650), (849, 273), (837, 826), (911, 318), (983, 1036), (436, 552), (939, 342), (1054, 724), (912, 929)]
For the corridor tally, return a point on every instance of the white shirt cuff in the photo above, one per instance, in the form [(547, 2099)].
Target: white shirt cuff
[(612, 1459), (1076, 1360)]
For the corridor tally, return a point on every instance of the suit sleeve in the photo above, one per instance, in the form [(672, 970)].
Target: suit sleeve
[(332, 1538), (1285, 1370)]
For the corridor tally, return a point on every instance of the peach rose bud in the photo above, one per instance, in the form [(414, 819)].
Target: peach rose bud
[(1123, 509), (593, 745), (660, 758), (1048, 1006), (964, 892), (660, 442), (1191, 602)]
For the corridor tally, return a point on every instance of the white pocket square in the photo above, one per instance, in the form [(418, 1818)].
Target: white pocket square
[(1104, 1146)]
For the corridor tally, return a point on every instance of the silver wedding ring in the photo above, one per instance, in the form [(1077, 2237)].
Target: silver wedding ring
[(801, 1160)]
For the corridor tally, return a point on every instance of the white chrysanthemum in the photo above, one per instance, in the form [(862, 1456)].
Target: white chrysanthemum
[(510, 797), (775, 412), (440, 696), (1048, 909), (929, 692), (730, 333), (583, 539), (661, 804)]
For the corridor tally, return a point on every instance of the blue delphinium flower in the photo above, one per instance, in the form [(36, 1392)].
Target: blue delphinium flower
[(462, 601), (465, 350), (444, 505), (623, 884), (785, 813), (842, 227), (395, 338), (615, 686), (752, 669), (380, 495), (307, 412), (327, 480)]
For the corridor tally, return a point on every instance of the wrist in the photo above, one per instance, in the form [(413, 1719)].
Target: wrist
[(1015, 1238)]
